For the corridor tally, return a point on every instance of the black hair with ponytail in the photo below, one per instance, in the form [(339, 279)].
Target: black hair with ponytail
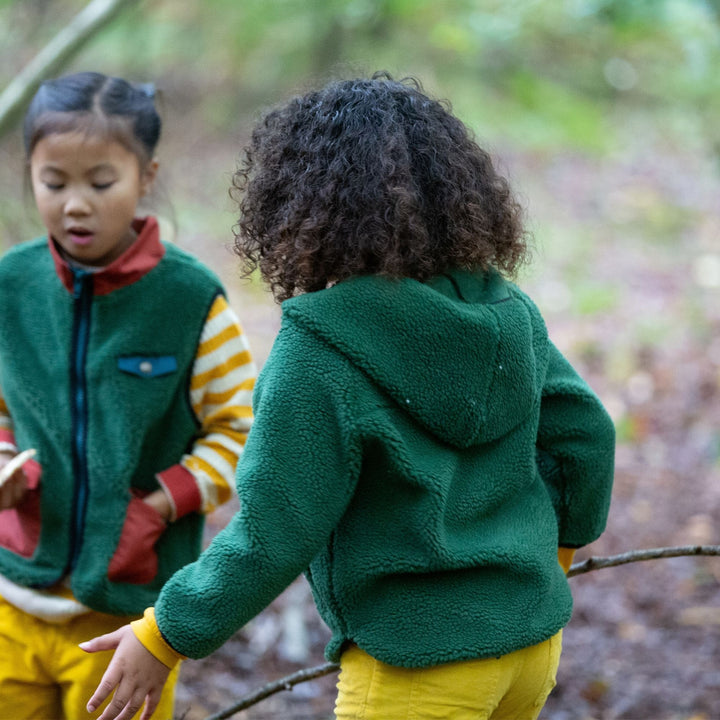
[(94, 103)]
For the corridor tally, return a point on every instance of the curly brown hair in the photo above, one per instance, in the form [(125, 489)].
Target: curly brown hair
[(370, 176)]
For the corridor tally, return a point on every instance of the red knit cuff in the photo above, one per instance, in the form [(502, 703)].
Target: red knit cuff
[(181, 487), (7, 440)]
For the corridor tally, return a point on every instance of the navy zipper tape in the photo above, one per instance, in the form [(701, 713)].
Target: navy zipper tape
[(82, 294)]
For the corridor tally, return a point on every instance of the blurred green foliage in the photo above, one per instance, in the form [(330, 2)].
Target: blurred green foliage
[(545, 73), (612, 81)]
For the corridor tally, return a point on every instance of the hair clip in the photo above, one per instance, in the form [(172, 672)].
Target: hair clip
[(147, 89)]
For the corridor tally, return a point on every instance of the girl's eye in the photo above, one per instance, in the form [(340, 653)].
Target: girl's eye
[(102, 186), (54, 186)]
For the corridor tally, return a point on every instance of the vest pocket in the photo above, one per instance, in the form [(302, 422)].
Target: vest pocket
[(20, 526), (135, 560)]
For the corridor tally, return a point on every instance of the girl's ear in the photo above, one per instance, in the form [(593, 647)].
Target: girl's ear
[(149, 174)]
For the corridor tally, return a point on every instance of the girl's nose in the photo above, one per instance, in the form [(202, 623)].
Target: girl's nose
[(76, 204)]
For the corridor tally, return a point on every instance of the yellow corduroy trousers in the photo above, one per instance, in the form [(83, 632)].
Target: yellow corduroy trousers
[(512, 687), (44, 675)]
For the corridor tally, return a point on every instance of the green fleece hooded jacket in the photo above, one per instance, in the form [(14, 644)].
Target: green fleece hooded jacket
[(421, 450)]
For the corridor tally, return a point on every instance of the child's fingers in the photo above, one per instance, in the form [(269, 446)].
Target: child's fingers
[(13, 490), (11, 466), (109, 681), (110, 641), (125, 703), (151, 702), (114, 674)]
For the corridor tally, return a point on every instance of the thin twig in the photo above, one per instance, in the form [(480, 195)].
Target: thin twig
[(596, 563), (285, 683), (592, 563)]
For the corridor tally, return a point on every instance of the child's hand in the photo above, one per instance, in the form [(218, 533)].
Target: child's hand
[(13, 489), (160, 501), (134, 673)]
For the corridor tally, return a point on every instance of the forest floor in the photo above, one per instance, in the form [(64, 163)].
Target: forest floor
[(628, 277)]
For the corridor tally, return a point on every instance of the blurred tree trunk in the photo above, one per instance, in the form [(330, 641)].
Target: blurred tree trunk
[(55, 55)]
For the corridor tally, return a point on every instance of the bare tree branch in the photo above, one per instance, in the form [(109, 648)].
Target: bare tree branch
[(592, 563), (55, 55), (285, 683)]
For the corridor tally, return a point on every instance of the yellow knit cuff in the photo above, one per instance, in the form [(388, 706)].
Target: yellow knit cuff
[(148, 633), (565, 558)]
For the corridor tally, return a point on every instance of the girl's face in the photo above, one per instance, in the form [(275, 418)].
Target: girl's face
[(87, 189)]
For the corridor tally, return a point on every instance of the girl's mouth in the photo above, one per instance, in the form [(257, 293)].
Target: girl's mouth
[(80, 236)]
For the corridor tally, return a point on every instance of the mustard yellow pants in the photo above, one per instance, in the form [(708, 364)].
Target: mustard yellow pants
[(512, 687), (44, 675)]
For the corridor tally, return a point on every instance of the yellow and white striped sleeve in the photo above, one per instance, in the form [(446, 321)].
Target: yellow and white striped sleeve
[(221, 389), (7, 433)]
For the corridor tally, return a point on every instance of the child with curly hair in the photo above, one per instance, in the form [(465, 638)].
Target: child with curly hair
[(421, 449)]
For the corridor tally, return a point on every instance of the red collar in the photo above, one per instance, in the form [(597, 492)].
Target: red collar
[(138, 260)]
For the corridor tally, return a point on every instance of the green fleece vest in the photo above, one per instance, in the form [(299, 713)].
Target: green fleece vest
[(99, 386)]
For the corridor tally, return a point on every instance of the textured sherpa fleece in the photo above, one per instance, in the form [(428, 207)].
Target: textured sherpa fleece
[(132, 427), (421, 449)]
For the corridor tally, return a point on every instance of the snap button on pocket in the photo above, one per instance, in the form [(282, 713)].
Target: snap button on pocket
[(148, 366)]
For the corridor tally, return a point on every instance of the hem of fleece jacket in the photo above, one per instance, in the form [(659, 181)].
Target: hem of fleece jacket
[(182, 490), (148, 633)]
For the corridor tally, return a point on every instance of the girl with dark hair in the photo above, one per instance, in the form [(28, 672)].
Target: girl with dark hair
[(125, 397), (421, 449)]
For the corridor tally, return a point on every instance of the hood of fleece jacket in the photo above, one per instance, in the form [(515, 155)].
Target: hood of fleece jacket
[(462, 353)]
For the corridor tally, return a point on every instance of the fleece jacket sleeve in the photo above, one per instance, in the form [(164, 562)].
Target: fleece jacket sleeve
[(576, 450), (295, 480)]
